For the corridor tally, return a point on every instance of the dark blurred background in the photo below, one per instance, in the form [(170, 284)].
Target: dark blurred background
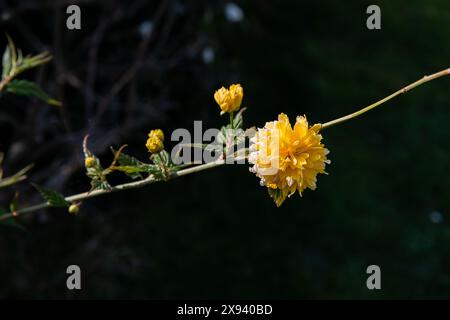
[(137, 65)]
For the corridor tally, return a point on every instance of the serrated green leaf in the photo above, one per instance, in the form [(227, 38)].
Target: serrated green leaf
[(129, 165), (93, 172), (100, 185), (132, 166), (30, 89), (53, 198), (98, 178)]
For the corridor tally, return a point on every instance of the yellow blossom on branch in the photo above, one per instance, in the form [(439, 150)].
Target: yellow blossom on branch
[(229, 100), (155, 141), (288, 159)]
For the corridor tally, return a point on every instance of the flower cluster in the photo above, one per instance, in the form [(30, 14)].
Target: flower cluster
[(229, 100), (155, 141), (288, 159)]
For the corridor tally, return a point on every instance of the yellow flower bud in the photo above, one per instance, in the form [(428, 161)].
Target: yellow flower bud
[(158, 133), (154, 145), (229, 100), (74, 208), (89, 162)]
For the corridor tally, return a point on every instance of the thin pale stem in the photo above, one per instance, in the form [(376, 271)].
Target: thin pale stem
[(376, 104), (5, 82), (126, 186), (232, 120)]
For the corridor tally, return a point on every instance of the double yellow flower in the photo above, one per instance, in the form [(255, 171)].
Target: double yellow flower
[(229, 100), (155, 141)]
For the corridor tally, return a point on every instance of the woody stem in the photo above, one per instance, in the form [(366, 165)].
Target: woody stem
[(125, 186)]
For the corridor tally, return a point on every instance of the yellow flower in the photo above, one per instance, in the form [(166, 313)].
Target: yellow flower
[(229, 100), (155, 141), (154, 145), (288, 159), (89, 162), (158, 133)]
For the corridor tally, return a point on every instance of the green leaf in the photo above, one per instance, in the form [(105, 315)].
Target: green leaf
[(53, 198), (277, 195), (12, 52), (17, 177), (30, 89), (132, 166), (96, 172), (163, 163), (238, 120), (97, 184), (6, 62), (30, 62), (164, 156), (132, 171), (126, 160), (14, 203), (9, 60)]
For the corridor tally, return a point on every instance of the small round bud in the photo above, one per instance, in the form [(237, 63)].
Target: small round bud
[(74, 208), (89, 162)]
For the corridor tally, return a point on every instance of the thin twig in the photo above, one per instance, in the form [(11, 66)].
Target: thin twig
[(6, 80), (133, 69), (376, 104)]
